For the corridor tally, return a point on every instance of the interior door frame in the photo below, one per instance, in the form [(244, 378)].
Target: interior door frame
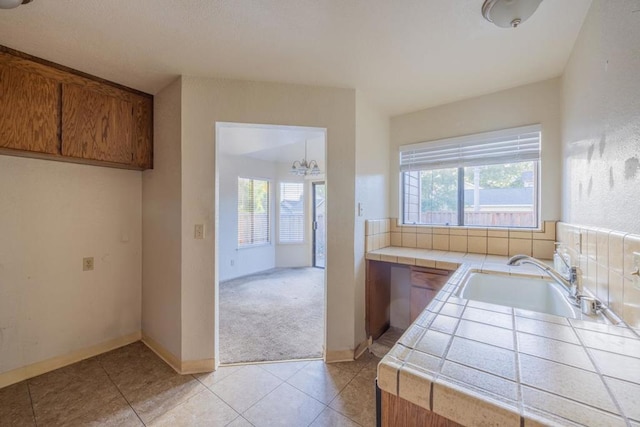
[(314, 227)]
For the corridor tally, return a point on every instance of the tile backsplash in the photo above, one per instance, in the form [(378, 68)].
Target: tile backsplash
[(385, 232), (606, 260)]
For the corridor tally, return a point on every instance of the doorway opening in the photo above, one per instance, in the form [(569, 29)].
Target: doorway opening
[(271, 242)]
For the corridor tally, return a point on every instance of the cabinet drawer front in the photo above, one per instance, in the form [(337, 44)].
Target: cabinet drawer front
[(429, 280)]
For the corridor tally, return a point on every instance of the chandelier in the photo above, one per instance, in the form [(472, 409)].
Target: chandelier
[(304, 167)]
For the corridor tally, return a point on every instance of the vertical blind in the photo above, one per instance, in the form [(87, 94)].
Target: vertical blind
[(253, 212), (291, 221), (504, 146)]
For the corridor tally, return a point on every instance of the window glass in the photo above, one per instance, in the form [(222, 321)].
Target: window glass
[(253, 212), (291, 221)]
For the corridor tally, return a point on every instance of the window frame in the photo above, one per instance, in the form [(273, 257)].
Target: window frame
[(460, 208), (268, 240)]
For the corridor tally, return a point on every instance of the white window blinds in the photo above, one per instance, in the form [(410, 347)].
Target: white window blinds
[(504, 146), (253, 212), (291, 223)]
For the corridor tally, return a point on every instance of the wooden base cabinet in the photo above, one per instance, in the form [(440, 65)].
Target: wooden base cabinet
[(397, 412), (425, 285)]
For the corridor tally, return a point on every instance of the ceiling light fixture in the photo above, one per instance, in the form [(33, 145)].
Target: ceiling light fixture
[(302, 167), (509, 13), (11, 4)]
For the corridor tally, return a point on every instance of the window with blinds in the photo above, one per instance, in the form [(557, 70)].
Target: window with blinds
[(488, 179), (291, 221), (253, 212)]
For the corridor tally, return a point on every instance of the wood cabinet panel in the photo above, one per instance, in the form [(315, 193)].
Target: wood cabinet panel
[(378, 298), (419, 299), (143, 132), (96, 126), (29, 111), (397, 412)]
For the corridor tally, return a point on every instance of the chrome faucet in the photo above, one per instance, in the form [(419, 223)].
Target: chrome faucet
[(572, 282)]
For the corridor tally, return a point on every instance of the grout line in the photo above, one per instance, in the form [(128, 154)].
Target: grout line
[(517, 363), (601, 376), (33, 410), (120, 391)]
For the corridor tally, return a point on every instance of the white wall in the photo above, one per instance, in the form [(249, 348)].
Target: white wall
[(372, 190), (52, 215), (161, 219), (207, 101), (524, 105), (601, 120), (251, 259)]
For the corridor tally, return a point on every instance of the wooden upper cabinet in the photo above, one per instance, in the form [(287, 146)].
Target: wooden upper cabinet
[(29, 111), (52, 112), (143, 132), (95, 125)]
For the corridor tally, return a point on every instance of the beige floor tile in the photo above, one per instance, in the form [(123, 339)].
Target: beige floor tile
[(210, 378), (357, 401), (80, 394), (331, 418), (239, 422), (15, 406), (244, 388), (284, 370), (148, 383), (321, 381), (203, 409), (285, 406)]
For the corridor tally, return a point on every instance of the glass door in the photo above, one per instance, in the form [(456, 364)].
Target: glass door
[(319, 225)]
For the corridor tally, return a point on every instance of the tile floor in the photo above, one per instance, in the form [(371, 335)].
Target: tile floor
[(132, 386)]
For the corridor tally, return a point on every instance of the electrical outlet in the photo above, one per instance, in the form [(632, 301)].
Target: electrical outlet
[(87, 263), (198, 231)]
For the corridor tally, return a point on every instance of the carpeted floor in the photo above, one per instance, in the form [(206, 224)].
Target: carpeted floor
[(274, 315)]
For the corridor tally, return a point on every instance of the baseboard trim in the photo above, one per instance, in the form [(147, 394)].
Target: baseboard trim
[(181, 367), (197, 366), (362, 347), (162, 352), (39, 368), (333, 356)]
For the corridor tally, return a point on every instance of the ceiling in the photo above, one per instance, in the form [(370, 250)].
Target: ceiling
[(403, 55), (271, 143)]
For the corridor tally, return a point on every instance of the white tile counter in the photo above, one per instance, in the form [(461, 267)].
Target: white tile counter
[(483, 364)]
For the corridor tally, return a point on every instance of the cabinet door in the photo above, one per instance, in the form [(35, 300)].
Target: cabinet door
[(29, 111), (143, 132), (420, 298), (95, 125)]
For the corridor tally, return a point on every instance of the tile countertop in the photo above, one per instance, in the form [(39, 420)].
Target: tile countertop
[(483, 364)]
